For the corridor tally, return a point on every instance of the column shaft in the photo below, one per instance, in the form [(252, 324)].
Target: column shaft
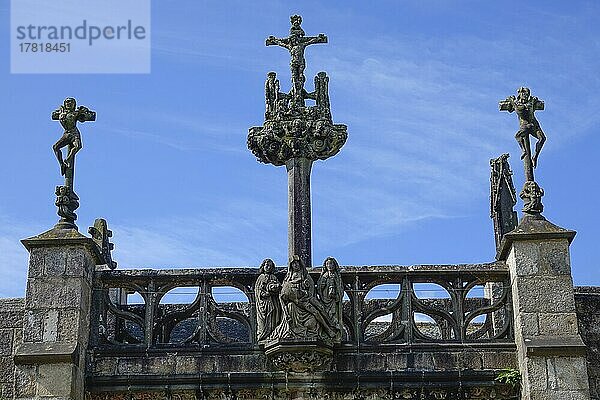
[(299, 212)]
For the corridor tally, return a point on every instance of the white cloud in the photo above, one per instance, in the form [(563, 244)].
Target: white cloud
[(241, 233), (13, 256)]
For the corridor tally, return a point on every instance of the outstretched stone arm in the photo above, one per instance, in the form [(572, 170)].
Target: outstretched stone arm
[(321, 38), (508, 104), (84, 114), (273, 41), (56, 114)]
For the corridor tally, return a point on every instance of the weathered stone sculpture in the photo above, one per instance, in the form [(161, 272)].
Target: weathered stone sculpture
[(68, 116), (304, 315), (268, 308), (295, 134), (304, 338), (331, 292), (101, 236), (296, 43), (503, 198), (525, 106)]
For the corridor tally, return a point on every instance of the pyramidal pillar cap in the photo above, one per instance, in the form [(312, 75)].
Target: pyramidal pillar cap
[(533, 227), (63, 237)]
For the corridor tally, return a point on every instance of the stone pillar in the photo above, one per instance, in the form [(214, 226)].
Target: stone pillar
[(299, 224), (56, 325), (551, 353)]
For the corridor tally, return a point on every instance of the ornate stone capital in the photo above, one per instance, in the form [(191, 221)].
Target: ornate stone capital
[(293, 129), (281, 140)]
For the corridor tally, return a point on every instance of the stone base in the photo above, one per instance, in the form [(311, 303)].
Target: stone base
[(299, 356)]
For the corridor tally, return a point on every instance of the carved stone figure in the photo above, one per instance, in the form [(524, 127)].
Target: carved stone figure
[(67, 202), (331, 292), (101, 235), (68, 116), (295, 44), (303, 317), (310, 139), (525, 106), (268, 308), (532, 198), (271, 94), (322, 95)]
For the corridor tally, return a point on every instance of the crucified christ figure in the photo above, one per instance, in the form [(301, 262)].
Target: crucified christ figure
[(68, 116), (525, 106), (295, 44)]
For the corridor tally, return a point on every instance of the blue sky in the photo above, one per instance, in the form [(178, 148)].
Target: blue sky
[(417, 83)]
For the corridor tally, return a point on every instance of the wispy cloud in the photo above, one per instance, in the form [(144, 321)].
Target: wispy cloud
[(13, 256), (241, 233), (182, 133)]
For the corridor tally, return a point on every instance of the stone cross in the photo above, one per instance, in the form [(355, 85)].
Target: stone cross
[(525, 107), (296, 43), (66, 200), (295, 135)]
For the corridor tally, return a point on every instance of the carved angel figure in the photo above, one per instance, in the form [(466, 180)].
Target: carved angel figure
[(268, 310)]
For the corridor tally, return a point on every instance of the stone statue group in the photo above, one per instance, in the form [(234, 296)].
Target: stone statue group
[(296, 309)]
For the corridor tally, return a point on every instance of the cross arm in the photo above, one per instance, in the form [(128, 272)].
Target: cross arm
[(507, 104), (321, 38), (56, 114), (85, 114), (273, 41)]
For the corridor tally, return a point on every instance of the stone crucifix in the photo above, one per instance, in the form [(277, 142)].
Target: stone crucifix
[(525, 106), (295, 135), (68, 114), (295, 44)]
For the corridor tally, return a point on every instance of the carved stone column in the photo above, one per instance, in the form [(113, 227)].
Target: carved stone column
[(550, 351), (51, 360), (299, 212)]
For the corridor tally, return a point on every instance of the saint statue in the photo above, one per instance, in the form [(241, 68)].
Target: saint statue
[(271, 95), (268, 309), (331, 292)]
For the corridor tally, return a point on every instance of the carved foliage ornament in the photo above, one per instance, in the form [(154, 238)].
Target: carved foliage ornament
[(469, 393), (278, 141)]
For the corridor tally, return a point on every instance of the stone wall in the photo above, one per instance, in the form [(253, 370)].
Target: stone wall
[(587, 301), (11, 334), (106, 367)]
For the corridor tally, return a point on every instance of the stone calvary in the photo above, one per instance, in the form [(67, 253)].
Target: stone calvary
[(511, 328), (295, 134)]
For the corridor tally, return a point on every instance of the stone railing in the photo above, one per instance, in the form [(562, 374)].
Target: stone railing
[(432, 304)]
